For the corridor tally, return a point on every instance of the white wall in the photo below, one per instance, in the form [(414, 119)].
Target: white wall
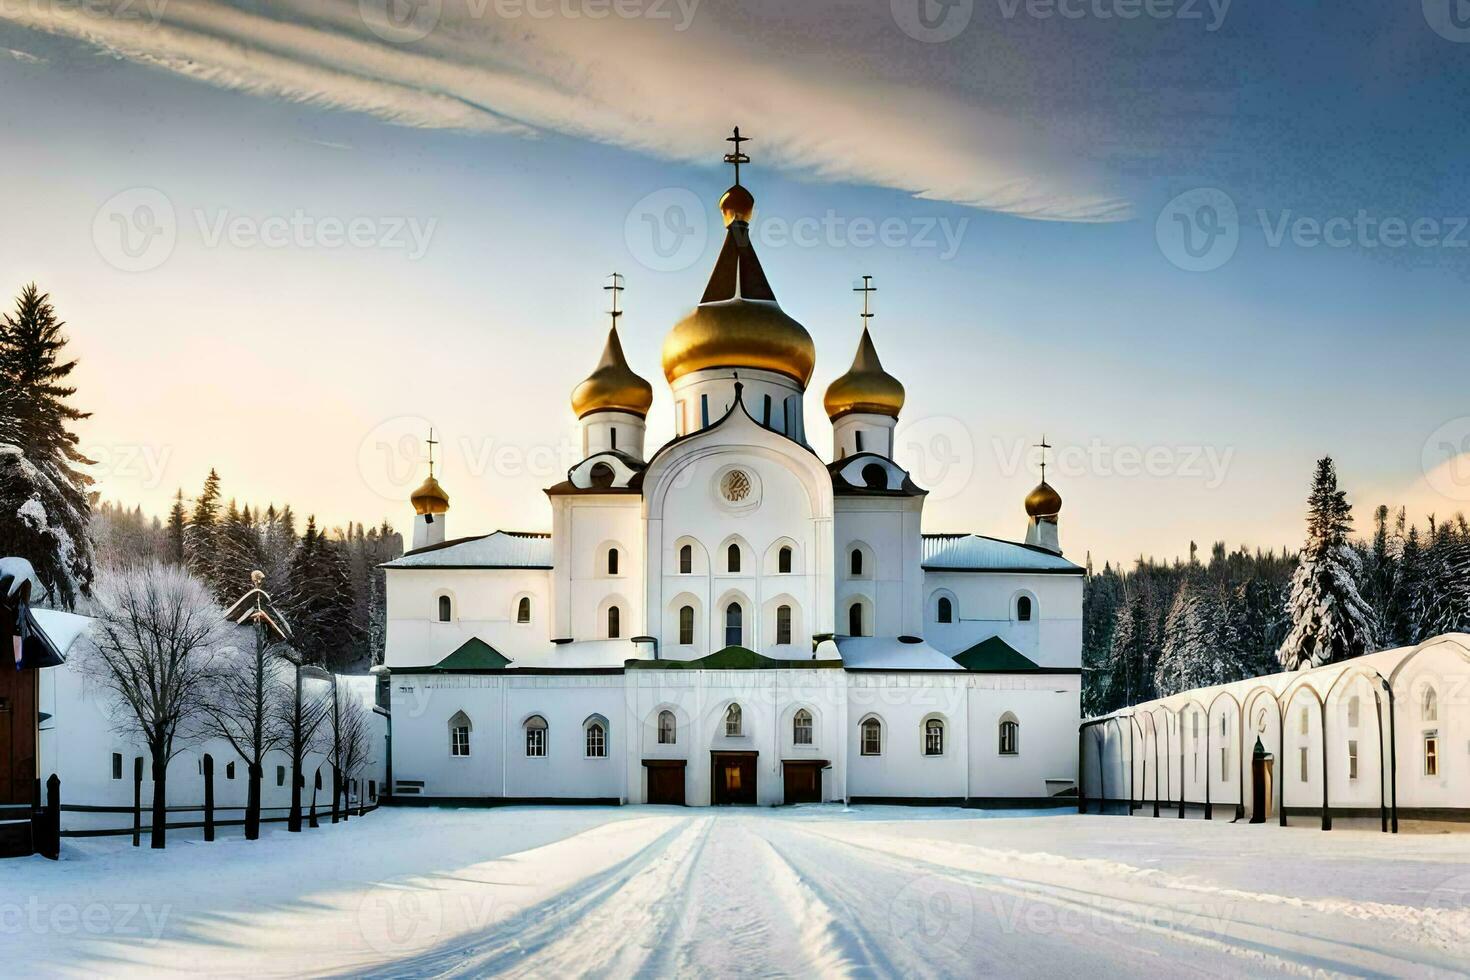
[(483, 604), (986, 606)]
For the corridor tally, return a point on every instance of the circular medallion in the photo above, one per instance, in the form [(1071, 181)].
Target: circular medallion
[(735, 487)]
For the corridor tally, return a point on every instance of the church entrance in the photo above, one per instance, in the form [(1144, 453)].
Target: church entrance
[(665, 781), (1261, 780), (803, 779), (732, 777), (17, 734)]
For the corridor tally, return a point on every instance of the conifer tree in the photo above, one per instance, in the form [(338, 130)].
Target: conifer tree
[(178, 522)]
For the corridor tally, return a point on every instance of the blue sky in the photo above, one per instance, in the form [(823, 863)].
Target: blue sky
[(1035, 177)]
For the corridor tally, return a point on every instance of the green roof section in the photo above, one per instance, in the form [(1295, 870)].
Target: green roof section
[(733, 658), (996, 656), (474, 654)]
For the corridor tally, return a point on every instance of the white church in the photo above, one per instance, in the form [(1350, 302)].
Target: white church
[(730, 618)]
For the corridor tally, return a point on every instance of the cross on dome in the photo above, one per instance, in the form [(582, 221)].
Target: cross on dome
[(738, 157)]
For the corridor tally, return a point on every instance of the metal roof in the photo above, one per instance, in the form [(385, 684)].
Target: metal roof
[(977, 553), (502, 549)]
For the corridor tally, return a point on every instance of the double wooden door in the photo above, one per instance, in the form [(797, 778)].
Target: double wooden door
[(732, 777)]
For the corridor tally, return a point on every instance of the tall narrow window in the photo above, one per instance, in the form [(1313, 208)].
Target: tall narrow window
[(535, 737), (855, 562), (1431, 705), (230, 771), (801, 727), (732, 558), (1010, 737), (612, 561), (614, 622), (523, 610), (1352, 758), (459, 735), (872, 737), (1023, 609), (1222, 725), (855, 619), (686, 560), (1305, 721), (117, 765), (733, 721), (1224, 762), (1431, 755), (734, 625), (857, 440), (704, 411), (280, 775), (1302, 757), (766, 411), (596, 741), (934, 737), (946, 610), (783, 561), (446, 609), (613, 436), (668, 728), (1353, 711), (686, 625), (783, 624)]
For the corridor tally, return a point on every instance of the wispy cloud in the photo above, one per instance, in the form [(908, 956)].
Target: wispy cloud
[(24, 57), (660, 82)]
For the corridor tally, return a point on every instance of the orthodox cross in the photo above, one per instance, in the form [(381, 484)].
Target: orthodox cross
[(432, 444), (615, 288), (868, 289), (738, 157), (1043, 445)]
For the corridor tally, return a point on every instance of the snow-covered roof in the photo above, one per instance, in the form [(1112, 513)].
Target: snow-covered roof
[(502, 549), (890, 653), (978, 553), (61, 628)]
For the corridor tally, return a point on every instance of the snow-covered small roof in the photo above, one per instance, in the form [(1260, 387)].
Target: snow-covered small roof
[(891, 653), (502, 549), (61, 628), (978, 553)]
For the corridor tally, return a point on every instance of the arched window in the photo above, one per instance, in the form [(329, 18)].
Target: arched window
[(934, 737), (614, 622), (1010, 735), (536, 737), (668, 728), (523, 610), (686, 560), (459, 734), (872, 737), (602, 475), (596, 739), (783, 561), (855, 618), (612, 561), (1353, 711), (732, 558), (446, 609), (733, 721), (855, 561), (1431, 705), (686, 625), (875, 477), (1023, 609), (801, 727), (734, 625), (945, 612), (783, 624)]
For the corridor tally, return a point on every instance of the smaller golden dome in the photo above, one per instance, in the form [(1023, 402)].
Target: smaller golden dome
[(737, 204), (430, 498), (1043, 501), (612, 386), (866, 387)]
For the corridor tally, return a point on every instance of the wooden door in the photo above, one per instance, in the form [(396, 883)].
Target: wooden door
[(733, 777), (17, 735), (666, 785), (803, 782)]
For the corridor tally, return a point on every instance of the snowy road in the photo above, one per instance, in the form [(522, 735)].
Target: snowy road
[(811, 891)]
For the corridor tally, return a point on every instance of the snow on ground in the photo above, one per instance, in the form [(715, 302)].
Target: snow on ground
[(655, 891)]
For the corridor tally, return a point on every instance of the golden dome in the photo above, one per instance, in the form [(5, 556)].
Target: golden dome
[(866, 387), (1043, 501), (612, 386), (430, 498), (737, 204)]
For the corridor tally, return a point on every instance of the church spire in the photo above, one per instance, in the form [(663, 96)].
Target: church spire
[(613, 386), (866, 388)]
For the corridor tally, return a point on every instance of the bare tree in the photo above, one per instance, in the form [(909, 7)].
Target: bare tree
[(246, 695), (351, 740), (157, 629), (306, 715)]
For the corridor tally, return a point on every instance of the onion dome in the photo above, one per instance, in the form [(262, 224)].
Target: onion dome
[(1043, 501), (866, 387), (738, 323), (430, 497), (612, 386)]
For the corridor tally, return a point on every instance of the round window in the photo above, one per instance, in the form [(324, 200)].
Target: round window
[(735, 487)]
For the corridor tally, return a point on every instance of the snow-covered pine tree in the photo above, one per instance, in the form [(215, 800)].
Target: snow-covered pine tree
[(319, 603), (1446, 607), (201, 544), (178, 522), (45, 502), (1330, 620)]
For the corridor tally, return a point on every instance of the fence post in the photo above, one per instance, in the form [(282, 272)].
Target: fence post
[(138, 801), (336, 791), (317, 785), (53, 818), (208, 797)]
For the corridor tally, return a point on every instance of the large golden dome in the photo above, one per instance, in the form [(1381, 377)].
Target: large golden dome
[(612, 386), (430, 498), (866, 387), (738, 323), (1043, 501)]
